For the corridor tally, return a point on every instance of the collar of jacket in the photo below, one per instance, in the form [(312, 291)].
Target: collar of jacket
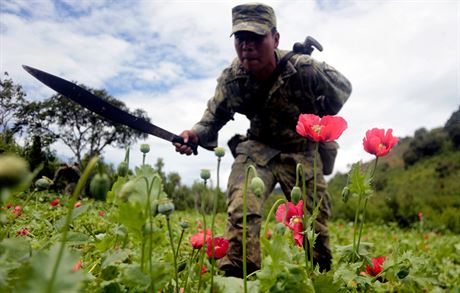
[(289, 70)]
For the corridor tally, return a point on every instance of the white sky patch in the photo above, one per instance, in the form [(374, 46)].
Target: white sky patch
[(164, 57)]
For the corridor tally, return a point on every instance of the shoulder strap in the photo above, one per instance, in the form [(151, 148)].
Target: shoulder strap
[(274, 76)]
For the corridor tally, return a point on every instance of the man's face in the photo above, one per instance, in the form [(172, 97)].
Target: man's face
[(256, 52)]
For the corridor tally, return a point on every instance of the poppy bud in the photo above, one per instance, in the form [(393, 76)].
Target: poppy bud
[(127, 189), (219, 152), (257, 186), (99, 186), (183, 224), (205, 174), (145, 148), (122, 169), (165, 207), (345, 194), (13, 170), (296, 194), (43, 183)]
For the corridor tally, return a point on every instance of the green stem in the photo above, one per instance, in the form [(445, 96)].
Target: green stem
[(307, 249), (204, 237), (142, 253), (173, 251), (355, 227), (81, 182), (214, 211), (189, 270), (361, 225), (245, 211), (180, 240), (315, 162), (365, 206), (314, 178), (270, 213), (149, 206)]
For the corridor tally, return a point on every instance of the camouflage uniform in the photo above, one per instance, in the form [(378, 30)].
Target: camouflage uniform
[(273, 145)]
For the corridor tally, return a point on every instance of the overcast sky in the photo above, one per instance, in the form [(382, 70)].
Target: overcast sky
[(402, 57)]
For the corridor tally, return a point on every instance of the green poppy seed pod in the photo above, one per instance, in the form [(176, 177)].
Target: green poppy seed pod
[(145, 148), (127, 189), (43, 183), (165, 207), (345, 194), (99, 186), (219, 152), (13, 170), (205, 174), (183, 224), (280, 228), (257, 186), (296, 195), (122, 169)]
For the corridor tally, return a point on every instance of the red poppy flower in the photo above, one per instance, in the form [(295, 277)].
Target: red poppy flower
[(420, 216), (23, 232), (203, 269), (17, 210), (327, 128), (379, 143), (54, 202), (293, 219), (101, 213), (77, 204), (77, 266), (197, 240), (376, 266), (220, 247)]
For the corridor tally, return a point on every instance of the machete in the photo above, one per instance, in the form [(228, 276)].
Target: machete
[(103, 108)]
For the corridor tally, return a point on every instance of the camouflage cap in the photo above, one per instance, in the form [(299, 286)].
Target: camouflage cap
[(254, 17)]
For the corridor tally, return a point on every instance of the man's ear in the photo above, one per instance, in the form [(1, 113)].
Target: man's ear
[(276, 37)]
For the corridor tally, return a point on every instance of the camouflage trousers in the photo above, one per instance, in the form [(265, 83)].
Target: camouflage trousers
[(279, 169)]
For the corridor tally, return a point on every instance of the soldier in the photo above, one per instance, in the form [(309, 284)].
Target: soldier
[(272, 145)]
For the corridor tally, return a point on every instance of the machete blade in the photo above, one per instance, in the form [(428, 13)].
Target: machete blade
[(100, 106)]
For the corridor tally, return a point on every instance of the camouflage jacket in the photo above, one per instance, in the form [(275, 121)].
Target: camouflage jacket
[(304, 86)]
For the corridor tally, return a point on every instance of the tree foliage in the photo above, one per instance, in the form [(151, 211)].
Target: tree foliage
[(424, 144), (452, 127), (12, 98), (86, 134)]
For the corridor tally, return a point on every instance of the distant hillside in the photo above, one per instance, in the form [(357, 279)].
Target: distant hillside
[(421, 174)]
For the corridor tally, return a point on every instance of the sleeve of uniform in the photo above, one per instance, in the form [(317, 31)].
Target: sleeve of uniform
[(217, 114), (331, 88)]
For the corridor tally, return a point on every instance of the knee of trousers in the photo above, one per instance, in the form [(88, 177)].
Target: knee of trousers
[(235, 209)]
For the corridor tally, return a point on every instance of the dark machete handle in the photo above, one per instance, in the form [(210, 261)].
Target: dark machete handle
[(191, 144)]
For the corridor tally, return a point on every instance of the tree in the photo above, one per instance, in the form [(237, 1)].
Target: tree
[(11, 100), (83, 132)]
